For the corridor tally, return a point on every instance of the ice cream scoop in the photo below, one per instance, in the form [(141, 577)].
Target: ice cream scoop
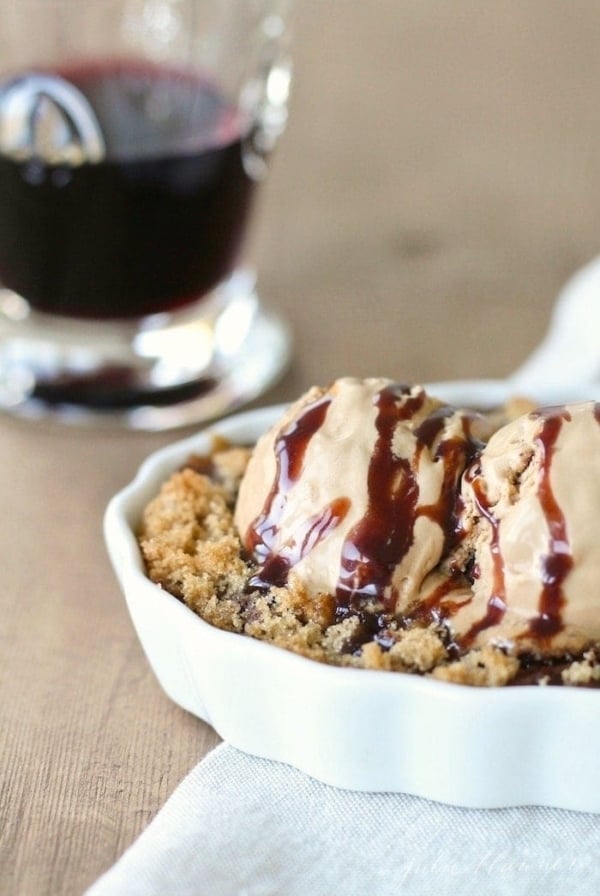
[(531, 541), (353, 493)]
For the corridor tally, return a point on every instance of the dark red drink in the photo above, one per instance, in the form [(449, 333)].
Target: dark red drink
[(154, 225)]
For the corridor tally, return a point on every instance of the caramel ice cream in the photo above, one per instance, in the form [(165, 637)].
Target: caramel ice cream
[(531, 504), (353, 492)]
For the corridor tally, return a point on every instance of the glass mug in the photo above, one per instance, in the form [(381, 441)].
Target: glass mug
[(133, 134)]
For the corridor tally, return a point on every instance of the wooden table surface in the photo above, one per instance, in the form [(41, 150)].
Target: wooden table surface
[(439, 180)]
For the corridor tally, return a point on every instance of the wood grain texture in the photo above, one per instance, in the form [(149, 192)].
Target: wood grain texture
[(89, 745), (439, 179)]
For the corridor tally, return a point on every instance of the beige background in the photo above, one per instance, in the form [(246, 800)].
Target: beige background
[(439, 179)]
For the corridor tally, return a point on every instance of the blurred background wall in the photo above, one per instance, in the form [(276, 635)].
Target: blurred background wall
[(446, 162)]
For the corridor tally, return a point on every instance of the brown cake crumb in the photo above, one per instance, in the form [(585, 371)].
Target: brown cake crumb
[(190, 546), (584, 672), (418, 649), (485, 667)]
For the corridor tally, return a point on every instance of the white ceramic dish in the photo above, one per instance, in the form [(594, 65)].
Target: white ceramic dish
[(358, 729)]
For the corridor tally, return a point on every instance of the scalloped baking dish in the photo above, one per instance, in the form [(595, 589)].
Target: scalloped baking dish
[(354, 728)]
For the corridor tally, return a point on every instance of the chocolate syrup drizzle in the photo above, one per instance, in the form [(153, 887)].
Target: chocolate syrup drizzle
[(276, 568), (558, 562), (375, 545), (555, 564), (290, 450), (380, 540), (496, 605), (455, 453)]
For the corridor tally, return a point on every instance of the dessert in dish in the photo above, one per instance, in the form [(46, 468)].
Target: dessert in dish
[(376, 526)]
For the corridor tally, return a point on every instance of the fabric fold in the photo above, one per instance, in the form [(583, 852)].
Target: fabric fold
[(242, 826)]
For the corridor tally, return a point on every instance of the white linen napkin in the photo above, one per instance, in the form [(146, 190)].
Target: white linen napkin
[(242, 826), (570, 352)]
